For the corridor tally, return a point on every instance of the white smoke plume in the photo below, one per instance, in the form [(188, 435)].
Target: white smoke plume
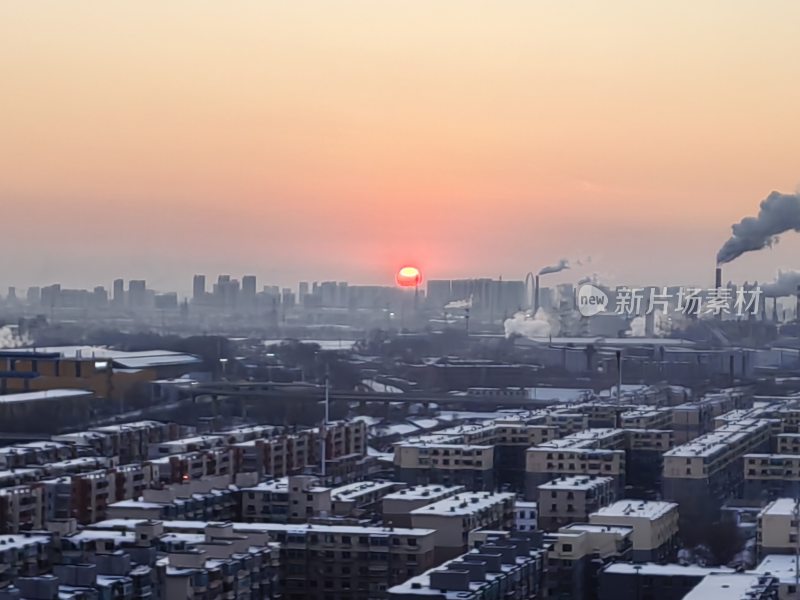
[(9, 338), (542, 324), (777, 214), (785, 284), (458, 304), (638, 326), (560, 266)]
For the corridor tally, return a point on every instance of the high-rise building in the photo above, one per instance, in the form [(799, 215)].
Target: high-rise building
[(34, 295), (248, 295), (51, 295), (99, 297), (137, 293), (249, 286), (198, 288), (302, 291), (119, 292)]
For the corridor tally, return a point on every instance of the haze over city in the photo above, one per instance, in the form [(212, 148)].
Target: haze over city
[(155, 140)]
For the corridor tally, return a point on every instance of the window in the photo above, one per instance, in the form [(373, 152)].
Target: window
[(567, 547)]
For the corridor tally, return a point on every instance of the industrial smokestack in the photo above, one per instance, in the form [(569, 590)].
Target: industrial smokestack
[(718, 280), (536, 294), (797, 305)]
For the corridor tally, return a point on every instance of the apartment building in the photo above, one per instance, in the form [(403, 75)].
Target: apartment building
[(577, 554), (654, 524), (787, 443), (501, 568), (646, 417), (771, 476), (208, 499), (422, 463), (33, 454), (644, 458), (597, 452), (693, 419), (193, 465), (293, 499), (777, 531), (290, 453), (21, 508), (214, 562), (361, 498), (526, 516), (453, 518), (24, 556), (318, 562), (700, 475), (572, 499), (131, 442), (83, 497), (398, 506)]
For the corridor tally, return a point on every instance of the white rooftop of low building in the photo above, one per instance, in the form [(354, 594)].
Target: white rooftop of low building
[(650, 509), (717, 440), (725, 586), (31, 446), (576, 482), (360, 488), (463, 503), (766, 456), (780, 507), (782, 566), (424, 492), (238, 527), (42, 395), (196, 439), (672, 570), (596, 528), (21, 541), (19, 474), (138, 359), (421, 584), (131, 426)]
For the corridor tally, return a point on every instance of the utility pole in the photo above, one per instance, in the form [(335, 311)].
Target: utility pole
[(619, 376), (324, 428)]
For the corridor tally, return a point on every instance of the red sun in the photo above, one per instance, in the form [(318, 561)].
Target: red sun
[(409, 277)]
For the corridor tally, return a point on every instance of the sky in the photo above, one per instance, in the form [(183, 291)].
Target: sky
[(341, 140)]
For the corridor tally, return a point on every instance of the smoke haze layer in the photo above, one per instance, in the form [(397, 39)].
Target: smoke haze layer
[(777, 214), (785, 284)]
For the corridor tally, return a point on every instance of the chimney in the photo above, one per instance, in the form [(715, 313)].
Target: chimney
[(718, 279), (797, 305), (536, 294)]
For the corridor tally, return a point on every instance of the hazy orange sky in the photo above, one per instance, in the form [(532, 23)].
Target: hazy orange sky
[(340, 139)]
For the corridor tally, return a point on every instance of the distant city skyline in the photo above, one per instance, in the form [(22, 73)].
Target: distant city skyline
[(470, 139)]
